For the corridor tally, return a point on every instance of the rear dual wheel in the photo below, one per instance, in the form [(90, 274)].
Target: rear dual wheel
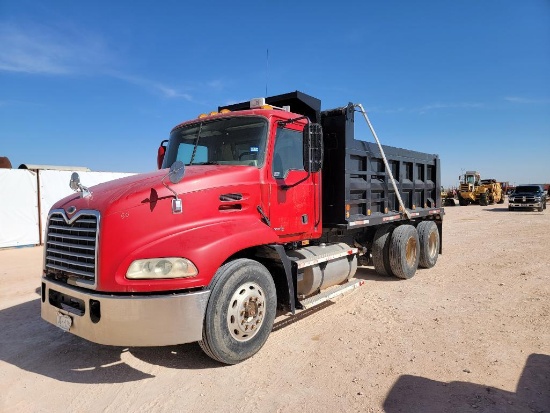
[(404, 251), (399, 251), (428, 236), (381, 250)]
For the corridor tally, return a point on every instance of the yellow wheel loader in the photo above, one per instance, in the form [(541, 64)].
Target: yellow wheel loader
[(474, 190)]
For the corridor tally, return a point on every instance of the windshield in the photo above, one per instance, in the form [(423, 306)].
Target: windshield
[(229, 141), (528, 188)]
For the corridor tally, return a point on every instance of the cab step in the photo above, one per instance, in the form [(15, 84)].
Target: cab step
[(331, 293)]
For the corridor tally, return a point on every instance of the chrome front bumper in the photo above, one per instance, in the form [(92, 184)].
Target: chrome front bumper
[(526, 205), (155, 320)]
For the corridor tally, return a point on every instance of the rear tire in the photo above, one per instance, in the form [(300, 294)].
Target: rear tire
[(428, 237), (404, 251), (381, 250), (240, 311)]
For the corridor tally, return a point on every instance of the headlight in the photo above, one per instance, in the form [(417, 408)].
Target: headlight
[(154, 268)]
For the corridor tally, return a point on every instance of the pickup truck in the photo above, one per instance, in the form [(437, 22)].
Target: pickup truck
[(528, 196)]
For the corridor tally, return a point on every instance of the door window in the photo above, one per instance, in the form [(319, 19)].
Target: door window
[(289, 152)]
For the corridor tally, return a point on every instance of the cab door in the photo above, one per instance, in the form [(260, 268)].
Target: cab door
[(294, 208)]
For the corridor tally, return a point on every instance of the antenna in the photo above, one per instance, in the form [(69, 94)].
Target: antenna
[(266, 70)]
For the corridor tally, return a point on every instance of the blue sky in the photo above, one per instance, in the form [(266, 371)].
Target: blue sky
[(100, 84)]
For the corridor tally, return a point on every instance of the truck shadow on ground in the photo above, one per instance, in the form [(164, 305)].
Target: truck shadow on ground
[(34, 345), (31, 344), (368, 273), (414, 394)]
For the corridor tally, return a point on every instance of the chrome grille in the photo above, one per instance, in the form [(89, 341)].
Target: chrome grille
[(71, 246), (523, 199)]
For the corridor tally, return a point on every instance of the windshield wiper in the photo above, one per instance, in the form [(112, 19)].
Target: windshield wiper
[(196, 144), (206, 163), (283, 123)]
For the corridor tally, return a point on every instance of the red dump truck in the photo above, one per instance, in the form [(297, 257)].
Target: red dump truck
[(260, 207)]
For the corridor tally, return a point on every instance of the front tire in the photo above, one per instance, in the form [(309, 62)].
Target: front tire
[(404, 251), (240, 311)]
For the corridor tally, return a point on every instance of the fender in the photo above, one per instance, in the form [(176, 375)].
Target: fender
[(207, 246)]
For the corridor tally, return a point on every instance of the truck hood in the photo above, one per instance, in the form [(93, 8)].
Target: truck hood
[(526, 193), (132, 191)]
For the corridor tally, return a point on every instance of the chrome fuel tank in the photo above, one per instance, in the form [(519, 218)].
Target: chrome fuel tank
[(325, 274)]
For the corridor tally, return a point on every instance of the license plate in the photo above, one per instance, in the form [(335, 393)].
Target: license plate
[(64, 322)]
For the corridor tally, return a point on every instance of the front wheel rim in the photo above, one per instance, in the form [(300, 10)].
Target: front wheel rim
[(246, 311)]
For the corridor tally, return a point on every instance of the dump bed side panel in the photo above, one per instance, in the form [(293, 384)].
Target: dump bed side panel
[(354, 174)]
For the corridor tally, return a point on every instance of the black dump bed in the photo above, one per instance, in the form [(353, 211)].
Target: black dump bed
[(354, 174)]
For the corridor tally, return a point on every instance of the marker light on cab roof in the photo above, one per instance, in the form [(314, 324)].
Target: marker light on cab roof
[(257, 103)]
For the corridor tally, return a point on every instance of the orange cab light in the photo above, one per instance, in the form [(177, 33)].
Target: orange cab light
[(268, 107), (225, 111), (202, 115), (213, 113)]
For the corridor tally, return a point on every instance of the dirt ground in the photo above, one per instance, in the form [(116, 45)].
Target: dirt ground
[(471, 334)]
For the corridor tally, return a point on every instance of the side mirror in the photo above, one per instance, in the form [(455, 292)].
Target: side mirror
[(74, 183), (175, 175), (313, 147), (161, 152), (177, 170)]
